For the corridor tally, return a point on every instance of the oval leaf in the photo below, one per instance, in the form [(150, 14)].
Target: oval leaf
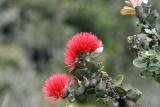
[(120, 91), (146, 73), (118, 80), (139, 62)]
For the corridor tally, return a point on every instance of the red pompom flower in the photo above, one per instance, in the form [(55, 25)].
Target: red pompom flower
[(55, 86), (83, 42)]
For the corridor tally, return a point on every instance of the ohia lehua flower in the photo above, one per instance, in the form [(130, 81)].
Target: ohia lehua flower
[(83, 42), (55, 87)]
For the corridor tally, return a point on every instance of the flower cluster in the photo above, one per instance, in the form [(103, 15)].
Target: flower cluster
[(55, 86), (89, 75)]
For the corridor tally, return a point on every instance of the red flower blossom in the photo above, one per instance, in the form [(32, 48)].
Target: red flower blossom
[(81, 42), (55, 85)]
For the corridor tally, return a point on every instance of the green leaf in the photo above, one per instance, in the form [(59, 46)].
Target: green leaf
[(100, 103), (139, 63), (148, 31), (150, 53), (120, 91), (146, 73), (154, 62), (117, 81), (153, 68)]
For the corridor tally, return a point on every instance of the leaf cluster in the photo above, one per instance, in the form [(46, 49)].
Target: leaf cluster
[(146, 43)]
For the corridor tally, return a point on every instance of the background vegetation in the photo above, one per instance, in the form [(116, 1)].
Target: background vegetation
[(33, 34)]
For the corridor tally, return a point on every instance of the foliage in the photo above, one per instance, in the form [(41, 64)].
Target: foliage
[(146, 42)]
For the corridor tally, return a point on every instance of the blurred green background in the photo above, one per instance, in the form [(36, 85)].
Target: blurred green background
[(33, 34)]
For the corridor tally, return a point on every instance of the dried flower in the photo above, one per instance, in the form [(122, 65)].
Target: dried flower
[(130, 9), (83, 42), (55, 86)]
